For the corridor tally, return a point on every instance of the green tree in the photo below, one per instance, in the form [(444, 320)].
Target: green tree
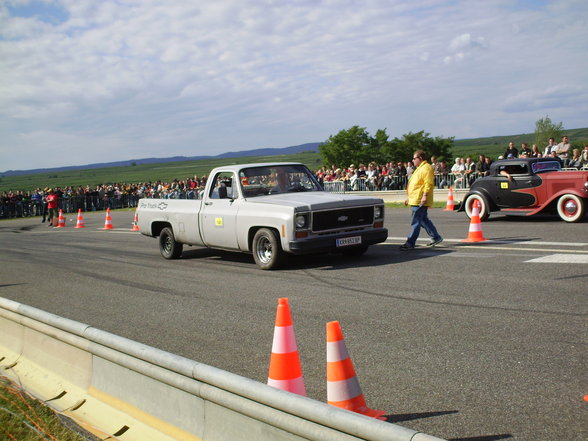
[(545, 129), (348, 146), (406, 146), (356, 146)]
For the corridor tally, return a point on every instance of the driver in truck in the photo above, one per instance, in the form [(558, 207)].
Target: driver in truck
[(282, 183)]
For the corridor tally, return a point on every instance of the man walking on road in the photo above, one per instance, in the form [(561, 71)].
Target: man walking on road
[(420, 198)]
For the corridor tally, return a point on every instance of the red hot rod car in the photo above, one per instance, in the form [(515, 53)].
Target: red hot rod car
[(527, 186)]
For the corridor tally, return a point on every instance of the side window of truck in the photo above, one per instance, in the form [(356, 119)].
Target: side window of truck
[(224, 186)]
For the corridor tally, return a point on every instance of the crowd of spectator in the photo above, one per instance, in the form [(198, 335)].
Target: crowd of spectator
[(100, 197), (393, 175)]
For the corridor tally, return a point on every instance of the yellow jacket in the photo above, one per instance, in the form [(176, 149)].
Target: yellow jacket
[(422, 181)]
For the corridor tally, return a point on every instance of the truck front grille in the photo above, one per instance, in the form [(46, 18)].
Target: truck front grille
[(344, 218)]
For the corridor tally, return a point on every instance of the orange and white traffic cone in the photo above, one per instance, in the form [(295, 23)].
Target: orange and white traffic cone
[(60, 220), (450, 202), (108, 221), (343, 388), (80, 221), (475, 232), (285, 372), (135, 223)]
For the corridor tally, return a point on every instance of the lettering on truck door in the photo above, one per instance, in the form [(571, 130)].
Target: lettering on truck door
[(219, 212)]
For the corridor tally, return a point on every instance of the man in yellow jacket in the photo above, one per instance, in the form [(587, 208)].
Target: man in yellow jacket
[(420, 198)]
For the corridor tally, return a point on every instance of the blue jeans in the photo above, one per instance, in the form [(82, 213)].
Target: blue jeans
[(420, 219)]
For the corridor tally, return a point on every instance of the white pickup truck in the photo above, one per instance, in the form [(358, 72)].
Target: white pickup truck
[(267, 210)]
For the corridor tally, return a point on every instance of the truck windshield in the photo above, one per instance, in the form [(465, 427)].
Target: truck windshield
[(276, 179)]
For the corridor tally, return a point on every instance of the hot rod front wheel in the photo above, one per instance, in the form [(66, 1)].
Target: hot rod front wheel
[(571, 208), (482, 205)]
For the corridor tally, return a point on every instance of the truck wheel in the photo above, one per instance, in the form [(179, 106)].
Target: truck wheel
[(169, 248), (354, 251), (570, 208), (483, 204), (267, 251)]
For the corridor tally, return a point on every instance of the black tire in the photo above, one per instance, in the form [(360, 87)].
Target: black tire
[(354, 251), (484, 208), (267, 250), (169, 248), (571, 208)]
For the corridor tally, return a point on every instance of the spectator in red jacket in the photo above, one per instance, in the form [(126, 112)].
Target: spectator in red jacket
[(52, 201)]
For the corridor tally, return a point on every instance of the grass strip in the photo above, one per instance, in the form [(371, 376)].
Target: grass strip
[(25, 418)]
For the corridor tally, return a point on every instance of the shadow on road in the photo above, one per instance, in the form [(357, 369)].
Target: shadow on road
[(375, 256), (483, 438), (398, 418)]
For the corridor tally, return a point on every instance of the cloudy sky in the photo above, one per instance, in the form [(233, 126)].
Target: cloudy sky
[(84, 81)]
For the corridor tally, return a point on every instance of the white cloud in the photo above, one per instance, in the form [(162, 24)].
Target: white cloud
[(171, 77)]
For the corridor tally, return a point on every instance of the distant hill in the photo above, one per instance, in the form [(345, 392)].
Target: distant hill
[(489, 145), (311, 146)]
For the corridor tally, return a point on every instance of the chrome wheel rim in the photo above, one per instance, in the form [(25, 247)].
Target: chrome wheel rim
[(570, 207), (167, 245), (264, 250)]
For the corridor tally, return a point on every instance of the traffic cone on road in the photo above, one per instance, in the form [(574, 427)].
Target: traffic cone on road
[(108, 221), (60, 220), (80, 221), (285, 371), (450, 202), (343, 388), (135, 223), (475, 232)]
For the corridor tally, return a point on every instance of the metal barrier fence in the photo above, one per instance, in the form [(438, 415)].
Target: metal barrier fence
[(29, 208), (389, 183), (115, 385)]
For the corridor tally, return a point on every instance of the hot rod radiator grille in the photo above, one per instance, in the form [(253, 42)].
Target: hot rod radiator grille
[(337, 219)]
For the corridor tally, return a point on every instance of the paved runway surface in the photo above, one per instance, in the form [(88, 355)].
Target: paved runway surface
[(475, 342)]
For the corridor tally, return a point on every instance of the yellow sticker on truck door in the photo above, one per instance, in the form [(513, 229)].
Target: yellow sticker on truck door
[(218, 221)]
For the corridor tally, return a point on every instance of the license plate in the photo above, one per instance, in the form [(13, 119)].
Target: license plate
[(346, 241)]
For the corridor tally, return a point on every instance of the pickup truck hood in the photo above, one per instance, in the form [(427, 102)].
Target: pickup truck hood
[(316, 200)]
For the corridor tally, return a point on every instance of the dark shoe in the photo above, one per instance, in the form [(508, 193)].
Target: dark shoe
[(406, 246), (435, 242)]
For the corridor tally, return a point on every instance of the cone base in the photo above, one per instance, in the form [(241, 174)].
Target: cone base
[(469, 239), (295, 386), (358, 405)]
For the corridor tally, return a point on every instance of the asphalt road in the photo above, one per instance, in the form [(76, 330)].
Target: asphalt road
[(481, 342)]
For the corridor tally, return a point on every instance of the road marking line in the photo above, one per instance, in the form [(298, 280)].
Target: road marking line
[(561, 258), (507, 241), (542, 250), (467, 246)]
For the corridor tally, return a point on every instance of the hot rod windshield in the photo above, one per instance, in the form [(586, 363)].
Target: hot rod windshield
[(277, 179), (544, 166)]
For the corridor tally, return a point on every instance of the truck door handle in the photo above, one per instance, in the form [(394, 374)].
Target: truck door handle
[(208, 203)]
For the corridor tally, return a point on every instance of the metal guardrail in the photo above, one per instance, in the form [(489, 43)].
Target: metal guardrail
[(158, 395), (394, 183)]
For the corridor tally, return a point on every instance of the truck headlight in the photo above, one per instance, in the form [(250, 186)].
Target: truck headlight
[(378, 212), (300, 221)]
